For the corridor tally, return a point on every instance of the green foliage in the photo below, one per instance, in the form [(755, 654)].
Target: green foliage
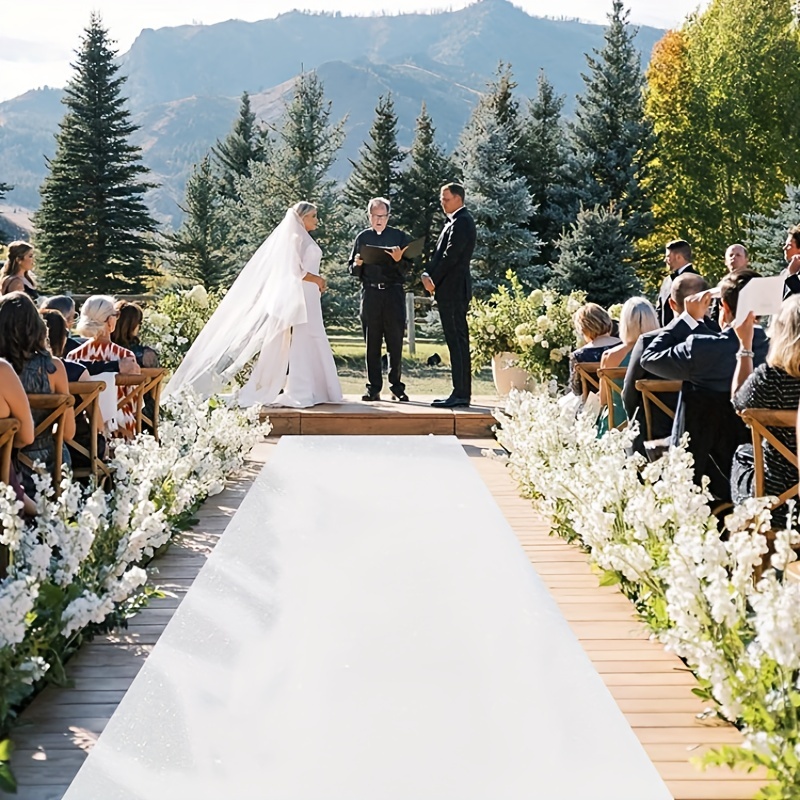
[(175, 320), (611, 137), (722, 94), (199, 252), (596, 258), (768, 233), (376, 172), (93, 230)]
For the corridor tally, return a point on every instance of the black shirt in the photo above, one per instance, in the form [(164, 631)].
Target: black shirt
[(375, 273)]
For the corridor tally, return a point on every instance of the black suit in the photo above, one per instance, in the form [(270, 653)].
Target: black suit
[(664, 310), (449, 271), (705, 361)]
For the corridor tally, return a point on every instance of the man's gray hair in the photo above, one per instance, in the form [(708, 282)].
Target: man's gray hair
[(379, 201), (62, 303)]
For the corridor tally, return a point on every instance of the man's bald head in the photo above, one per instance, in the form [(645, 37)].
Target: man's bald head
[(683, 286)]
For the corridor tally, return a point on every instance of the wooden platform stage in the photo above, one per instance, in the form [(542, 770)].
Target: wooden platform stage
[(385, 418)]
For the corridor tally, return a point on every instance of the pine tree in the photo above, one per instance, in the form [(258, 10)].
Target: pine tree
[(93, 230), (768, 233), (611, 137), (420, 213), (199, 251), (596, 257), (375, 174), (543, 153), (247, 142), (500, 203)]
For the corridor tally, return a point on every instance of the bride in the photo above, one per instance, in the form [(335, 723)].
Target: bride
[(273, 308)]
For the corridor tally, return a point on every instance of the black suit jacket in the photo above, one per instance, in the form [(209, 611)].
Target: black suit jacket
[(449, 266), (664, 310)]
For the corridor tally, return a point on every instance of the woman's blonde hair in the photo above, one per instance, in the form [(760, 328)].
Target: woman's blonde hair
[(95, 312), (784, 343), (637, 317), (303, 208), (591, 321)]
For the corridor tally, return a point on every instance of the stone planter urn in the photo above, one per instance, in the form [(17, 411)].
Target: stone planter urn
[(507, 375)]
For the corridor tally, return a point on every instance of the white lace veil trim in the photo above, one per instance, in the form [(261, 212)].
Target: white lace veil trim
[(264, 302)]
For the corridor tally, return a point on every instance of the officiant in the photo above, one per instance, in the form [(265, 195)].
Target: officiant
[(377, 260)]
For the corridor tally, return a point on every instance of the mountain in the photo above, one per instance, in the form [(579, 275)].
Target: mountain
[(184, 83)]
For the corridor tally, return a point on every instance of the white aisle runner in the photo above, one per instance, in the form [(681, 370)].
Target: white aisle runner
[(368, 628)]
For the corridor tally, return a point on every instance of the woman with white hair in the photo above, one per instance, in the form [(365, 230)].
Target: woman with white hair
[(97, 322), (272, 310), (636, 317)]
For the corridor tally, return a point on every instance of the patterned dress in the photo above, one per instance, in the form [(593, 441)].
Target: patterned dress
[(94, 350)]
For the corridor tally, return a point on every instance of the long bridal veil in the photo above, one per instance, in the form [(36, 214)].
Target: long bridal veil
[(256, 315)]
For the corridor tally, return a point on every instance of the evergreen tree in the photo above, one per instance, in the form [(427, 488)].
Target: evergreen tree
[(420, 213), (499, 202), (4, 190), (596, 257), (93, 230), (768, 233), (543, 153), (376, 172), (199, 251), (611, 137), (247, 142)]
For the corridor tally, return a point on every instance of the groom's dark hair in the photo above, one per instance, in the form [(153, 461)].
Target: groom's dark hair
[(454, 188)]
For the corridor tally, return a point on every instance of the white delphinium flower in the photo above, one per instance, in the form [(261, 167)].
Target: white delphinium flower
[(17, 599), (83, 610)]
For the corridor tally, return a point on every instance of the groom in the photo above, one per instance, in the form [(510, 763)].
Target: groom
[(449, 278)]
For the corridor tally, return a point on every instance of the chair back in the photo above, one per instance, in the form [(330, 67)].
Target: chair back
[(154, 383), (587, 372), (611, 379), (87, 400), (760, 420), (134, 397), (57, 405), (8, 429), (650, 389)]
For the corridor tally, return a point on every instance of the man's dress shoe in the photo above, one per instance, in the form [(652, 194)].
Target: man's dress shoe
[(451, 402)]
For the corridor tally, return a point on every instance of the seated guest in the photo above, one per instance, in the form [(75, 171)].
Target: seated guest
[(593, 324), (96, 322), (23, 342), (705, 362), (57, 339), (66, 306), (637, 317), (776, 385), (14, 403), (684, 285), (126, 334), (17, 273)]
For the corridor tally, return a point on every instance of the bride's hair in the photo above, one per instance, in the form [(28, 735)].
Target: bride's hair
[(303, 208)]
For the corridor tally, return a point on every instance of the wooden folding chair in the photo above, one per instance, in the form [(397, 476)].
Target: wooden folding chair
[(611, 381), (154, 383), (87, 399), (650, 388), (57, 405), (8, 429), (587, 372), (136, 397)]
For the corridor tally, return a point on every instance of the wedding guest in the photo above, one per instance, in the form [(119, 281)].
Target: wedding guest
[(774, 384), (14, 404), (23, 343), (678, 258), (97, 321), (593, 324), (57, 339), (126, 334), (17, 272), (637, 317)]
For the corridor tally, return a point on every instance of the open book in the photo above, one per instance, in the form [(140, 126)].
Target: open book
[(374, 254)]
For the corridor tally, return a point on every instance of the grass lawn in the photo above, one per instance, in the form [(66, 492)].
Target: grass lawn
[(348, 350)]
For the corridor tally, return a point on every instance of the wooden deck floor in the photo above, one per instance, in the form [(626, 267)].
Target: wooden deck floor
[(652, 688)]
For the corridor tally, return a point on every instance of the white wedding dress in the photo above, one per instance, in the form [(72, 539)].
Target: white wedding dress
[(312, 377), (269, 311)]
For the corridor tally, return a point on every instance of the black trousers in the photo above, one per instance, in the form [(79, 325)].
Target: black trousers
[(383, 317), (453, 314)]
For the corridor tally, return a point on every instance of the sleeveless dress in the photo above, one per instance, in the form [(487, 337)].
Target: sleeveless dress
[(35, 380), (616, 398)]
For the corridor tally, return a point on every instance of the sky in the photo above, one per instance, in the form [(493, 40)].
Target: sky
[(38, 37)]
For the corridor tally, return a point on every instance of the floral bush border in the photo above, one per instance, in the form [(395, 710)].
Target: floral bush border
[(649, 528), (77, 569)]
